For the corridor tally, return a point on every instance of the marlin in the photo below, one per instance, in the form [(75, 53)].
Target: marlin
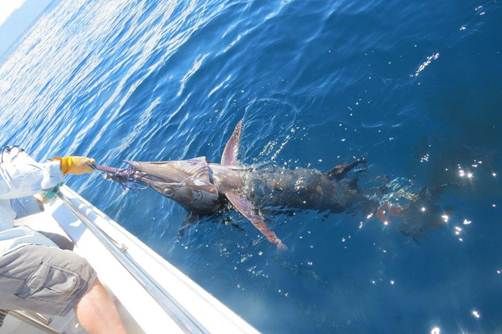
[(203, 188)]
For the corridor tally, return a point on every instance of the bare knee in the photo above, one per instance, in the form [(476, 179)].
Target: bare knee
[(97, 312)]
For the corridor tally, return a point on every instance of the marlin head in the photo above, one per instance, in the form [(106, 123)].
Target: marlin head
[(185, 181)]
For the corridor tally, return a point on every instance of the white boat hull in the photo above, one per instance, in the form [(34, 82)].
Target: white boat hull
[(152, 295)]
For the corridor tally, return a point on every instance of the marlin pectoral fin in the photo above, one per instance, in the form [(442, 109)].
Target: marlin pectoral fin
[(227, 221), (191, 219), (247, 209), (182, 230), (231, 150)]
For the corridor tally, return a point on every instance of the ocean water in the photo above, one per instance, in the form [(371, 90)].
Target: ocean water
[(415, 87)]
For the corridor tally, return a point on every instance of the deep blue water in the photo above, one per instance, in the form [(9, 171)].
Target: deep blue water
[(413, 86)]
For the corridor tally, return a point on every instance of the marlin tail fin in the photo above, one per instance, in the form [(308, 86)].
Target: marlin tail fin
[(339, 171)]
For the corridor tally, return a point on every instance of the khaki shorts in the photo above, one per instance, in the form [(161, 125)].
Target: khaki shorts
[(43, 279)]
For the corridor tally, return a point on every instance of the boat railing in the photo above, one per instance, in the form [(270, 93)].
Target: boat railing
[(177, 312)]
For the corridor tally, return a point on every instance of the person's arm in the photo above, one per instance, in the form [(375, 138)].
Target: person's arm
[(24, 177)]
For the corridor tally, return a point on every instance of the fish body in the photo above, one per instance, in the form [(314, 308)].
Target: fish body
[(299, 188), (202, 187)]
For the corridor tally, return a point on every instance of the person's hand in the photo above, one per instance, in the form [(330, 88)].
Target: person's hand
[(76, 164)]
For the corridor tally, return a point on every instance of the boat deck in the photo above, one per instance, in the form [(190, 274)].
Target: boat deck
[(152, 295)]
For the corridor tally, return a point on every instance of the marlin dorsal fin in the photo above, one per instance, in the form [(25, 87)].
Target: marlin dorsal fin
[(231, 150), (247, 209)]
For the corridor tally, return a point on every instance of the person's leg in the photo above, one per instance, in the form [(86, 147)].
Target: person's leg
[(97, 313), (52, 281)]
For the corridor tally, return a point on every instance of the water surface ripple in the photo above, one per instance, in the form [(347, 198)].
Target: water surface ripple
[(413, 86)]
